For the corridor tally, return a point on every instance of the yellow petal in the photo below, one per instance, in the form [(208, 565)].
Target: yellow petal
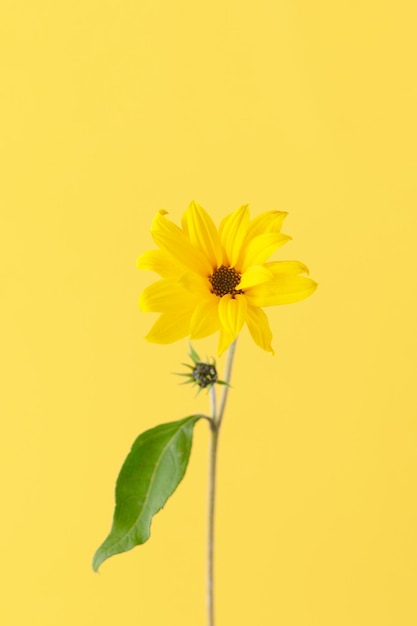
[(255, 275), (287, 267), (281, 290), (202, 233), (205, 319), (166, 295), (195, 284), (225, 341), (260, 248), (259, 328), (173, 241), (169, 327), (269, 222), (233, 231), (232, 313), (157, 261)]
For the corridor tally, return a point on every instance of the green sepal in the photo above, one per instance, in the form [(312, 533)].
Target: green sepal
[(150, 474), (193, 355)]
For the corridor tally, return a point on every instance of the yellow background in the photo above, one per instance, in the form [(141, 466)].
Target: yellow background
[(112, 110)]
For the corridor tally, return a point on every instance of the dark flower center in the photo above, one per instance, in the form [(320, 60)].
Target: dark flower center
[(225, 280)]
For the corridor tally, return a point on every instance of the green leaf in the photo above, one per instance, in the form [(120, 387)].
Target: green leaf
[(150, 474)]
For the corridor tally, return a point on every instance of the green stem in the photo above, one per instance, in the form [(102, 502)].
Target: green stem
[(211, 510), (215, 423), (227, 376)]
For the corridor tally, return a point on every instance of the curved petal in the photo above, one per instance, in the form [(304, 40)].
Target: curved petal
[(260, 248), (159, 262), (166, 295), (281, 290), (225, 341), (172, 240), (202, 233), (259, 328), (255, 275), (268, 222), (232, 313), (169, 327), (233, 231), (286, 267), (205, 319)]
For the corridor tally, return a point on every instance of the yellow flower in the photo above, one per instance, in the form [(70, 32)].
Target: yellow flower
[(218, 280)]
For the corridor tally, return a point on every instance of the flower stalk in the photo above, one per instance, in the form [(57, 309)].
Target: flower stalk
[(215, 423)]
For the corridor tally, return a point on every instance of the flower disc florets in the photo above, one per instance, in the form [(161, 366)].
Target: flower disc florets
[(224, 280)]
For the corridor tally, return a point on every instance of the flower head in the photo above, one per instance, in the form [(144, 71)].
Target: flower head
[(216, 280)]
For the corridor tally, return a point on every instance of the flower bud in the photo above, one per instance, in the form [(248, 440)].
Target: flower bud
[(204, 374)]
